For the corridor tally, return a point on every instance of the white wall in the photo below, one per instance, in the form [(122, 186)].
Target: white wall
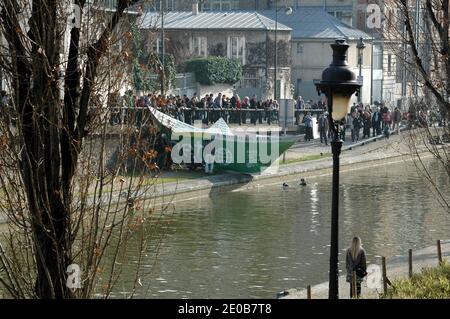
[(317, 56)]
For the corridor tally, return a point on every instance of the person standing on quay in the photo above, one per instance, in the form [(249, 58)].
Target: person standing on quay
[(323, 127), (357, 124), (396, 120), (376, 122), (355, 261), (367, 124), (299, 105), (308, 120), (253, 106)]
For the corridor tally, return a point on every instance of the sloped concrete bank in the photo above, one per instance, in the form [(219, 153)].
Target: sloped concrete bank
[(186, 190)]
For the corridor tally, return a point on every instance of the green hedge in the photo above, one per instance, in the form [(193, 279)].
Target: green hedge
[(212, 70), (431, 283)]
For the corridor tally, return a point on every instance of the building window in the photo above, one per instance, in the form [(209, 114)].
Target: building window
[(299, 47), (109, 4), (299, 84), (220, 5), (389, 64), (198, 46), (156, 46), (169, 5), (377, 57), (278, 90), (343, 16), (399, 71), (236, 48)]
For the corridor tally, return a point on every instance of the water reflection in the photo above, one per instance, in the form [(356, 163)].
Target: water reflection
[(253, 243)]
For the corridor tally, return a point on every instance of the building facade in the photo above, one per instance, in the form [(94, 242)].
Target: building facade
[(313, 30), (396, 83), (389, 78), (246, 36)]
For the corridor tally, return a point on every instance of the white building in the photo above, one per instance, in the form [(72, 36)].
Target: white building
[(313, 31)]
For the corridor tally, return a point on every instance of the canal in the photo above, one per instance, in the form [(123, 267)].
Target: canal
[(252, 243)]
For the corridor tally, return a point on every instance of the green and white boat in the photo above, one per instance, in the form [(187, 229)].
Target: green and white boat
[(234, 150)]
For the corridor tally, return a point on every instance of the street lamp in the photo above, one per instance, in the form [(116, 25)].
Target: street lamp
[(360, 46), (288, 12), (163, 59), (338, 84)]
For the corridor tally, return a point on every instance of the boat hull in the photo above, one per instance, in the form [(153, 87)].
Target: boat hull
[(245, 154)]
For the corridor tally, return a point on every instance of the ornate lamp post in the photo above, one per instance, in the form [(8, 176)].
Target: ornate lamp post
[(360, 46), (338, 84), (288, 12)]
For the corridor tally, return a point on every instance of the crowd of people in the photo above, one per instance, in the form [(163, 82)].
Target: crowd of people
[(371, 121), (210, 108), (362, 122)]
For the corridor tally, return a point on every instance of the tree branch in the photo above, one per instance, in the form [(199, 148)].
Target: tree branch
[(433, 18), (417, 59), (95, 52)]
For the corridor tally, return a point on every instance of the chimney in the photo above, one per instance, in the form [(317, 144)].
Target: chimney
[(195, 8)]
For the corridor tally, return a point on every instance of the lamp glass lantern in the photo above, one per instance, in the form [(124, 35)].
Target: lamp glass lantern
[(341, 106), (338, 83)]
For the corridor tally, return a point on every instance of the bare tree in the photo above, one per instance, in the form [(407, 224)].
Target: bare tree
[(417, 31), (65, 203)]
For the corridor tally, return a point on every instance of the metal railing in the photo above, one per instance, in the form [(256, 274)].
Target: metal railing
[(119, 115), (241, 116)]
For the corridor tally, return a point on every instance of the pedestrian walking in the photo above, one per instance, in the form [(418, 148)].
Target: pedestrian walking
[(357, 124), (376, 122), (396, 120), (299, 105), (308, 120), (218, 102), (238, 118), (260, 108), (386, 118), (253, 107), (266, 106), (367, 124), (245, 106), (322, 121), (348, 125), (355, 261)]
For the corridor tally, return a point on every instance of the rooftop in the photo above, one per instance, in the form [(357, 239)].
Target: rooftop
[(315, 23), (236, 20)]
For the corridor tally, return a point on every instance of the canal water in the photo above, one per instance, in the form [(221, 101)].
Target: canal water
[(253, 243)]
